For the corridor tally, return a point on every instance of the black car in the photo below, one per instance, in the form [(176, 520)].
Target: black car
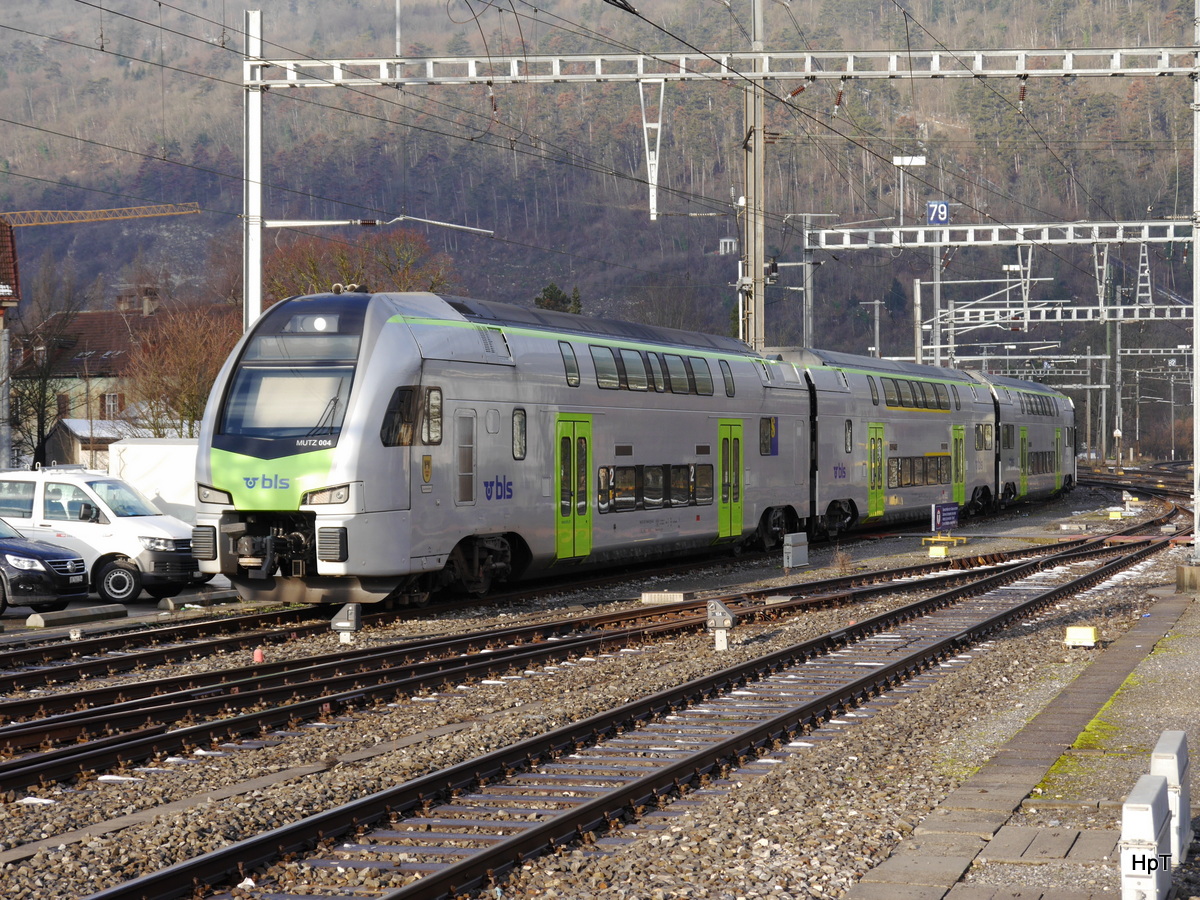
[(38, 574)]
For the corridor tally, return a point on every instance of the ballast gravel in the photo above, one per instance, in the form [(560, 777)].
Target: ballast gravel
[(809, 825)]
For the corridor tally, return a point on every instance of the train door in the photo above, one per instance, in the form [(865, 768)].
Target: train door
[(1058, 455), (573, 465), (1023, 488), (729, 509), (958, 465), (875, 492)]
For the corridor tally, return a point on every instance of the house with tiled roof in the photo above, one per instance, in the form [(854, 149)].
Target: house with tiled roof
[(76, 363)]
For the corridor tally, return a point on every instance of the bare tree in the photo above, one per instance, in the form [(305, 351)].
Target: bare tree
[(42, 334), (173, 363), (396, 260)]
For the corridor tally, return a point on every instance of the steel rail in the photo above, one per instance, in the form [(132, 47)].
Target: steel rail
[(421, 792)]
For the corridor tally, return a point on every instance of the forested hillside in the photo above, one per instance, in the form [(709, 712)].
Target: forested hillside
[(125, 103)]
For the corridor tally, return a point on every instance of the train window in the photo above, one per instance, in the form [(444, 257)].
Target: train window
[(987, 437), (518, 433), (905, 471), (635, 370), (703, 476), (727, 374), (464, 441), (943, 396), (978, 437), (399, 419), (906, 393), (893, 472), (931, 470), (922, 399), (957, 402), (624, 488), (570, 363), (943, 470), (582, 467), (768, 436), (918, 470), (1007, 437), (606, 368), (890, 394), (603, 489), (702, 375), (681, 485), (874, 391), (431, 424), (564, 476), (849, 436), (658, 374), (653, 483), (677, 371)]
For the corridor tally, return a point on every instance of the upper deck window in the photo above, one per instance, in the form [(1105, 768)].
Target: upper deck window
[(606, 368), (727, 374), (570, 364)]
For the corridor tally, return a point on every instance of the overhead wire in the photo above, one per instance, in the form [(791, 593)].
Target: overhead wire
[(538, 147)]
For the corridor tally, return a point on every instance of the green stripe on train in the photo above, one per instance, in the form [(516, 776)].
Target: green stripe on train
[(276, 484)]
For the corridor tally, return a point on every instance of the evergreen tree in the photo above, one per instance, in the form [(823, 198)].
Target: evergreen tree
[(555, 298)]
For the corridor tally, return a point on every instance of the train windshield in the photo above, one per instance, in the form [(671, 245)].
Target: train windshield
[(294, 376), (287, 401)]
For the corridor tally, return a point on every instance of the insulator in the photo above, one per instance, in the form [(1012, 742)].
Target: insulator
[(798, 90), (837, 103)]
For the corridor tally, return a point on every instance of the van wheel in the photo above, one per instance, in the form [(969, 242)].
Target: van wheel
[(119, 582)]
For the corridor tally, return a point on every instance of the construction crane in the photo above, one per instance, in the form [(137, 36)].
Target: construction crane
[(10, 291)]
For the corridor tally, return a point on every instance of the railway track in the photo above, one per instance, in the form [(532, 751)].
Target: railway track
[(48, 737), (465, 826)]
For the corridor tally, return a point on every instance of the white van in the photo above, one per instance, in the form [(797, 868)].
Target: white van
[(126, 542)]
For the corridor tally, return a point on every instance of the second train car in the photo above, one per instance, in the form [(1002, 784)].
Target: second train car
[(359, 447)]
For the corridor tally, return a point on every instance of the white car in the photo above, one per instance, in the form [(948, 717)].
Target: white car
[(127, 543)]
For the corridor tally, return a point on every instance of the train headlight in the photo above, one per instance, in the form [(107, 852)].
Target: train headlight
[(339, 494), (206, 494)]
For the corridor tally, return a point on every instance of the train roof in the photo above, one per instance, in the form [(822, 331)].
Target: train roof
[(808, 356), (492, 313), (1015, 383)]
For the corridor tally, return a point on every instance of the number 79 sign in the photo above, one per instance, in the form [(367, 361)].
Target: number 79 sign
[(937, 212)]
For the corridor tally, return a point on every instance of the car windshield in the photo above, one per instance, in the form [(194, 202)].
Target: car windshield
[(122, 499), (7, 532)]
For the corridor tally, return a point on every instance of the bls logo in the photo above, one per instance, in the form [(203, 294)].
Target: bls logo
[(839, 471), (498, 489), (267, 482)]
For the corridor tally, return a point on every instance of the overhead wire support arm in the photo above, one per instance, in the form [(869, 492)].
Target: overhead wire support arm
[(369, 223)]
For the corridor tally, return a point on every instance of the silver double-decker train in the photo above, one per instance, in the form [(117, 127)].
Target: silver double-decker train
[(359, 447)]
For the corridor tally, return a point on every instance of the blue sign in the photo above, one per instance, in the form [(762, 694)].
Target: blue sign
[(945, 516), (937, 212)]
